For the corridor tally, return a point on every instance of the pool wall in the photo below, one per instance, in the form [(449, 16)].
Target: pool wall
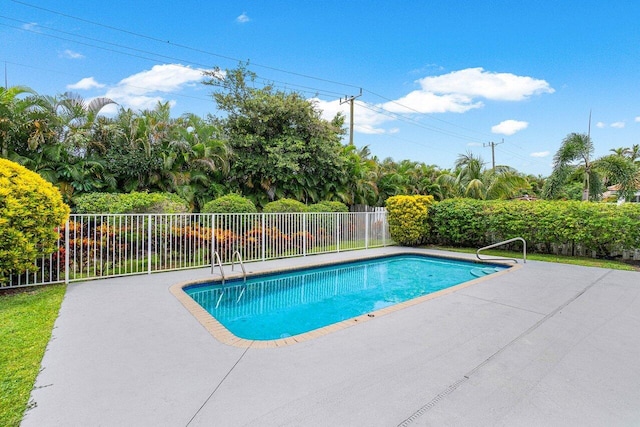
[(222, 334)]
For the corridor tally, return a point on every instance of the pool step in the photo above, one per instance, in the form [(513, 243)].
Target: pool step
[(484, 271)]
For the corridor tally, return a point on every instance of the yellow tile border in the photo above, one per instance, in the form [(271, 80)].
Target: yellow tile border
[(222, 334)]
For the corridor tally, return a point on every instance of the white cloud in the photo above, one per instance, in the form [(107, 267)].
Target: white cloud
[(617, 125), (31, 26), (474, 144), (365, 120), (145, 89), (461, 91), (509, 127), (423, 102), (601, 125), (457, 92), (85, 84), (69, 54), (540, 154), (637, 119), (476, 82), (243, 18)]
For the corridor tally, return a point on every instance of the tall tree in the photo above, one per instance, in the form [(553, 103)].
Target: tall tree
[(471, 179), (13, 116), (281, 145), (575, 152)]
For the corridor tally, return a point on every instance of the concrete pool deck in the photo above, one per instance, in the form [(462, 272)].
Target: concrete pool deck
[(545, 344)]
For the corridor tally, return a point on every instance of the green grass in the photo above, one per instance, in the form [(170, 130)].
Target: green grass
[(562, 259), (26, 322)]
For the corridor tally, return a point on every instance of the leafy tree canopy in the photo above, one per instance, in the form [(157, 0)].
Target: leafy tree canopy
[(281, 145)]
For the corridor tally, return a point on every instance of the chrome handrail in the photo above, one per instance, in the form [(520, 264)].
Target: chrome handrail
[(524, 250), (215, 259), (233, 260)]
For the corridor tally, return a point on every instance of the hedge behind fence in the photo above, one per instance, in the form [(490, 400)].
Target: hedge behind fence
[(606, 229)]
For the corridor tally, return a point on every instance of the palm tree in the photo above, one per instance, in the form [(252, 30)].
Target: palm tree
[(471, 179), (575, 152), (620, 171), (13, 112)]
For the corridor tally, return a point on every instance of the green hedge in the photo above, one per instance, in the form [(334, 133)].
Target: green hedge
[(603, 228), (328, 207), (231, 203), (135, 202), (285, 205)]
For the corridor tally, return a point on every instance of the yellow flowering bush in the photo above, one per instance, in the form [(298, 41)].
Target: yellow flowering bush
[(30, 210), (408, 218)]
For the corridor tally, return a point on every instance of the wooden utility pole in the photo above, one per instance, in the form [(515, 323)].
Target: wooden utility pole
[(493, 153), (350, 100)]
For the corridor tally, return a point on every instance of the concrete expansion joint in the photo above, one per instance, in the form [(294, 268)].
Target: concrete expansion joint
[(451, 388), (219, 384)]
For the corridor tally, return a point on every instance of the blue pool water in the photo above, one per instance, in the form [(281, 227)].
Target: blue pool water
[(285, 304)]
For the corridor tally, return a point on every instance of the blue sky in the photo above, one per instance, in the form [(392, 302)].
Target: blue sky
[(438, 78)]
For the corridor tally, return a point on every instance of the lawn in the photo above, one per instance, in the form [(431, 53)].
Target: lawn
[(562, 259), (26, 322)]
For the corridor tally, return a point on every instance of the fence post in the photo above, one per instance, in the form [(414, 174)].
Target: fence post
[(149, 223), (385, 227), (264, 237), (337, 232), (304, 234), (213, 237), (366, 230), (66, 251)]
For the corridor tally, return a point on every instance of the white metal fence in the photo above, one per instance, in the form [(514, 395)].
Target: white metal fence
[(99, 246)]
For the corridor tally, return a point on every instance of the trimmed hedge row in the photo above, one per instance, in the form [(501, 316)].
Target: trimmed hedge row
[(134, 202), (605, 229)]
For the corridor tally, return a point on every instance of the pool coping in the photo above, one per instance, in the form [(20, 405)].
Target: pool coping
[(223, 335)]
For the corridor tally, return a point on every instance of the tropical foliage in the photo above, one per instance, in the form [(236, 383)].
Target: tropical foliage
[(266, 144), (574, 159)]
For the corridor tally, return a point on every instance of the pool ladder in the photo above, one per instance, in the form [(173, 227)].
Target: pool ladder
[(244, 272), (215, 260)]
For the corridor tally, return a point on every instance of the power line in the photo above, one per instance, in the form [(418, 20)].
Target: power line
[(377, 108), (430, 116), (182, 46), (350, 100), (493, 152)]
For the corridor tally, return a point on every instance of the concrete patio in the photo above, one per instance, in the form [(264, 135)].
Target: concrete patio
[(543, 345)]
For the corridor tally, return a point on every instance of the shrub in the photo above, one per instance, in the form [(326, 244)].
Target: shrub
[(408, 216), (603, 229), (30, 210), (285, 205), (458, 222), (327, 206), (135, 202), (231, 203)]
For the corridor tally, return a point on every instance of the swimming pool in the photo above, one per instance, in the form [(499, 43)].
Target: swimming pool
[(282, 305)]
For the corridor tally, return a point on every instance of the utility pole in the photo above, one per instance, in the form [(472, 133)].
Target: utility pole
[(493, 153), (350, 100)]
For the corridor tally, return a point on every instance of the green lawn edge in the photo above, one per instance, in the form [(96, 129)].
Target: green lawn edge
[(561, 259), (26, 323)]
